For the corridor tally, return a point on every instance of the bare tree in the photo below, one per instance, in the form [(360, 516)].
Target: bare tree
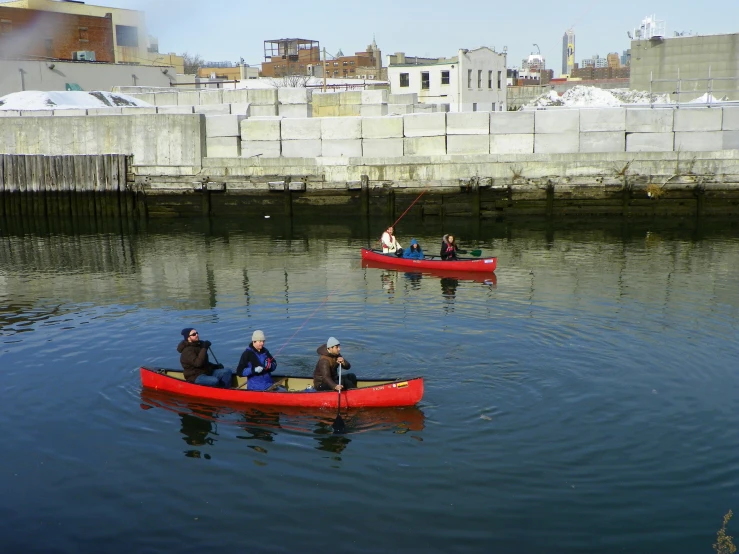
[(192, 62), (291, 81)]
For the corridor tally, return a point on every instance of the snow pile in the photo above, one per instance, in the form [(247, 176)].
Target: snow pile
[(708, 98), (66, 100), (582, 96)]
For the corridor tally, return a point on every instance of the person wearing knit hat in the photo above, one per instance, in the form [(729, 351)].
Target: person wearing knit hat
[(256, 364), (196, 366), (326, 375)]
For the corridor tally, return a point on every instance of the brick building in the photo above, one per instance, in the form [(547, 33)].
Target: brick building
[(290, 56), (33, 34)]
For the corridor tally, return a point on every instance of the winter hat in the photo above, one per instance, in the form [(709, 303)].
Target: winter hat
[(186, 332), (332, 342), (257, 335)]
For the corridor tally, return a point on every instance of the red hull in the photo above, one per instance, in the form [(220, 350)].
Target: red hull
[(486, 265), (476, 276), (384, 395)]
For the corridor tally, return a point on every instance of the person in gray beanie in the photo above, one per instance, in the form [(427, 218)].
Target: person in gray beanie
[(326, 375), (256, 364)]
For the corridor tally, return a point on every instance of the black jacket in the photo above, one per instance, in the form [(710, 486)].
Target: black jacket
[(194, 360)]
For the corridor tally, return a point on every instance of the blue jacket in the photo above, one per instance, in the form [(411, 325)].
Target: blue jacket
[(251, 359), (413, 253)]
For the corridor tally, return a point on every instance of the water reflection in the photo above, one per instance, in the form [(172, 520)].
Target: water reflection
[(196, 428)]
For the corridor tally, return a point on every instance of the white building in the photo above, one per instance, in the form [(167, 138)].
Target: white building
[(474, 80)]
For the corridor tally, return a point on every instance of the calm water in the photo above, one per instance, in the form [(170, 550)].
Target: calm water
[(585, 400)]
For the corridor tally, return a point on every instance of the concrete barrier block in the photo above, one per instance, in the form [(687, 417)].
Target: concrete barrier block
[(730, 140), (730, 120), (325, 111), (223, 147), (374, 96), (301, 129), (468, 144), (649, 142), (263, 148), (350, 110), (261, 129), (399, 109), (290, 95), (37, 113), (104, 111), (138, 110), (407, 98), (236, 96), (302, 148), (427, 108), (602, 119), (697, 120), (424, 146), (69, 113), (175, 109), (350, 98), (468, 123), (382, 148), (262, 96), (147, 97), (649, 120), (511, 123), (240, 108), (210, 97), (295, 110), (165, 99), (323, 99), (372, 110), (188, 98), (213, 109), (346, 148), (696, 141), (382, 127), (424, 125), (556, 143), (513, 143), (10, 113), (223, 125), (262, 110), (556, 121), (607, 141), (349, 128)]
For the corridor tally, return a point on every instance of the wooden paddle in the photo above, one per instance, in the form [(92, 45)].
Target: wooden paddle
[(339, 425)]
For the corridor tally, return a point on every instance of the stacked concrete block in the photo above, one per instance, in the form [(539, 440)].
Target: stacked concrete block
[(209, 97), (556, 131), (424, 146), (350, 110), (236, 96), (10, 113), (519, 143), (730, 119), (370, 97), (137, 110), (694, 120), (341, 137), (262, 96), (240, 108), (70, 113), (147, 97), (341, 148), (289, 95), (260, 148), (556, 143), (223, 125), (649, 142), (262, 110), (604, 141), (165, 99), (350, 98), (188, 98), (468, 123), (261, 136), (512, 123), (301, 138), (223, 147), (294, 110), (424, 125), (373, 110), (599, 120), (213, 109), (698, 141), (325, 104), (302, 148), (104, 111), (382, 127), (468, 144), (382, 147), (730, 140), (649, 120), (399, 109), (408, 98), (175, 109)]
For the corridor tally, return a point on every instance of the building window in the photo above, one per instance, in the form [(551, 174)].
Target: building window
[(469, 78), (405, 80), (444, 77), (479, 78), (425, 80), (490, 79), (345, 63), (499, 73), (474, 106), (125, 35), (83, 34), (351, 63)]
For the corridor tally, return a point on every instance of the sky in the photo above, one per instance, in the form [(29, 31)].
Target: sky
[(226, 30)]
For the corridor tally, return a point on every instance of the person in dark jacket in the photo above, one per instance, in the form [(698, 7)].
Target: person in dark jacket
[(326, 375), (256, 364), (195, 364), (414, 251), (449, 248)]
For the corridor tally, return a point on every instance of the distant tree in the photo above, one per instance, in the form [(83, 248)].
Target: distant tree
[(192, 62), (291, 81)]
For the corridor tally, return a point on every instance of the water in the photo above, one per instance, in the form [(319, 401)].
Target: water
[(582, 401)]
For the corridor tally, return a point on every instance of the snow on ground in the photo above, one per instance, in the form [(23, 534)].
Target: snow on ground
[(66, 100), (302, 82), (583, 96)]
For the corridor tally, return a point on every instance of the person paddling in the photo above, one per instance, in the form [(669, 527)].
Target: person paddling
[(389, 244), (195, 364), (326, 375)]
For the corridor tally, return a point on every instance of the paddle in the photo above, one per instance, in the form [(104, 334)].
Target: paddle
[(475, 253), (339, 425)]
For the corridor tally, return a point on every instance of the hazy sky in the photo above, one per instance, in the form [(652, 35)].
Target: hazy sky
[(226, 30)]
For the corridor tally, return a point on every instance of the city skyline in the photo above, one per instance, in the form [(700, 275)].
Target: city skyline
[(428, 31)]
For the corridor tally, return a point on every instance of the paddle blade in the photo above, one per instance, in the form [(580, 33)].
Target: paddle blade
[(339, 425), (475, 253)]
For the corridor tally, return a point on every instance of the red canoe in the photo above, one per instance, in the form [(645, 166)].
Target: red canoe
[(476, 276), (486, 265), (381, 393)]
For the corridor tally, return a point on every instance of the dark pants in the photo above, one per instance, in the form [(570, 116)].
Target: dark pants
[(220, 378)]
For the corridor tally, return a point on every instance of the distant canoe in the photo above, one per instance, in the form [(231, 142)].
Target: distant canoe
[(486, 265), (476, 276), (380, 393)]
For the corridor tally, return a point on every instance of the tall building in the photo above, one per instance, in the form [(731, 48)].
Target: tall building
[(568, 52)]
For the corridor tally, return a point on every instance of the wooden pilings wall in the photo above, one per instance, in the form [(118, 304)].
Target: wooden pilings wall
[(69, 186)]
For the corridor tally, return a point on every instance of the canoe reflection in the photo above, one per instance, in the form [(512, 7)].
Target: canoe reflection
[(415, 275), (199, 422)]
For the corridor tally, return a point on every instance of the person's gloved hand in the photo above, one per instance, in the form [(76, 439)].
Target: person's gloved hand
[(268, 364), (205, 344), (258, 369)]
